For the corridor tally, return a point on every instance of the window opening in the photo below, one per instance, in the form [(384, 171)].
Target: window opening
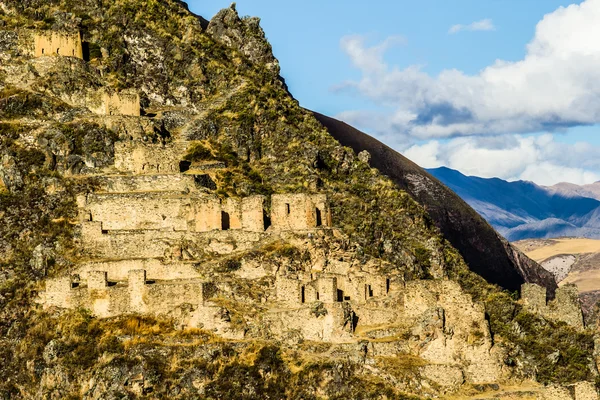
[(225, 221), (319, 218)]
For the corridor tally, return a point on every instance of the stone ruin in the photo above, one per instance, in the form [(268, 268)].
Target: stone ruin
[(577, 391), (331, 288), (154, 215), (150, 221), (566, 307), (105, 298), (58, 44), (121, 103), (103, 102)]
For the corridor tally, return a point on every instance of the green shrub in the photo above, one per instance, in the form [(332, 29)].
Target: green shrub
[(199, 152)]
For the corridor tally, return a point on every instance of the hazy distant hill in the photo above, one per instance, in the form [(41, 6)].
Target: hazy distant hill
[(570, 189), (521, 210)]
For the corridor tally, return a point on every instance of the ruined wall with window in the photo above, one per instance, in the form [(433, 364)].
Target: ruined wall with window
[(108, 298), (58, 44), (299, 211)]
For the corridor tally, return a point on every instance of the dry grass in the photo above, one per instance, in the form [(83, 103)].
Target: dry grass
[(401, 365), (525, 391), (564, 246), (586, 281)]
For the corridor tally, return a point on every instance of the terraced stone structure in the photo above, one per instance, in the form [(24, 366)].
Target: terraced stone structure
[(189, 211), (154, 237)]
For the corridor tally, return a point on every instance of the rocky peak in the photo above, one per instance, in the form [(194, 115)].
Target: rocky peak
[(244, 34)]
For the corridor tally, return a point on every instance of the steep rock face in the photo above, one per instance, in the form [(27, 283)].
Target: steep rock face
[(486, 252), (243, 34)]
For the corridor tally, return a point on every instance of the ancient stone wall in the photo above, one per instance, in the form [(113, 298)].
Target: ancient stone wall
[(299, 211), (289, 291), (327, 286), (58, 292), (143, 158), (585, 391), (133, 211), (112, 104), (106, 299), (358, 288), (173, 211), (146, 183), (121, 104), (462, 331), (97, 280), (327, 327), (139, 244), (565, 307), (578, 391), (253, 214), (155, 269), (58, 44)]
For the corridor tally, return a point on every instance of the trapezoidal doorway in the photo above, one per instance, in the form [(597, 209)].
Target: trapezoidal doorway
[(225, 221)]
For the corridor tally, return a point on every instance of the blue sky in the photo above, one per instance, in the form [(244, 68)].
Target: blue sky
[(382, 65)]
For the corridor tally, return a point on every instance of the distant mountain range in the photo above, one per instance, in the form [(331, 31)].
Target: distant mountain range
[(522, 210)]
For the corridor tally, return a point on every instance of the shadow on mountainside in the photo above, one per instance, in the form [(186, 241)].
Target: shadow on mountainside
[(486, 252)]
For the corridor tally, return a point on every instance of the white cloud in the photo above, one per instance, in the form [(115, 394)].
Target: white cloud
[(483, 25), (368, 59), (540, 159), (555, 86)]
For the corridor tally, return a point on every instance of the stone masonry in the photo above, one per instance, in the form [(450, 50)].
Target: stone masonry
[(61, 44), (565, 307), (144, 226), (154, 222), (107, 298)]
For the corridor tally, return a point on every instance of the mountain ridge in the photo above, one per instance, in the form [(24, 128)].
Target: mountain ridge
[(522, 209)]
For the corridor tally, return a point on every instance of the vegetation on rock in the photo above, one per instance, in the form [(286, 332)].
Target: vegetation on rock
[(231, 102)]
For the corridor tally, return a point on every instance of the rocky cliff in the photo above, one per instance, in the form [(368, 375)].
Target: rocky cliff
[(175, 225)]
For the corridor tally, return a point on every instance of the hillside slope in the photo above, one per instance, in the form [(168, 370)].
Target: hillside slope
[(520, 210), (486, 252), (174, 225)]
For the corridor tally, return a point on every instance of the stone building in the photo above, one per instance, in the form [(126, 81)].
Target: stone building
[(106, 298), (565, 307), (137, 157), (332, 288), (122, 103), (174, 211), (299, 211), (61, 44)]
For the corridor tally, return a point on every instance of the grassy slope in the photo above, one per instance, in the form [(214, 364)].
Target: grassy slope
[(271, 145)]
